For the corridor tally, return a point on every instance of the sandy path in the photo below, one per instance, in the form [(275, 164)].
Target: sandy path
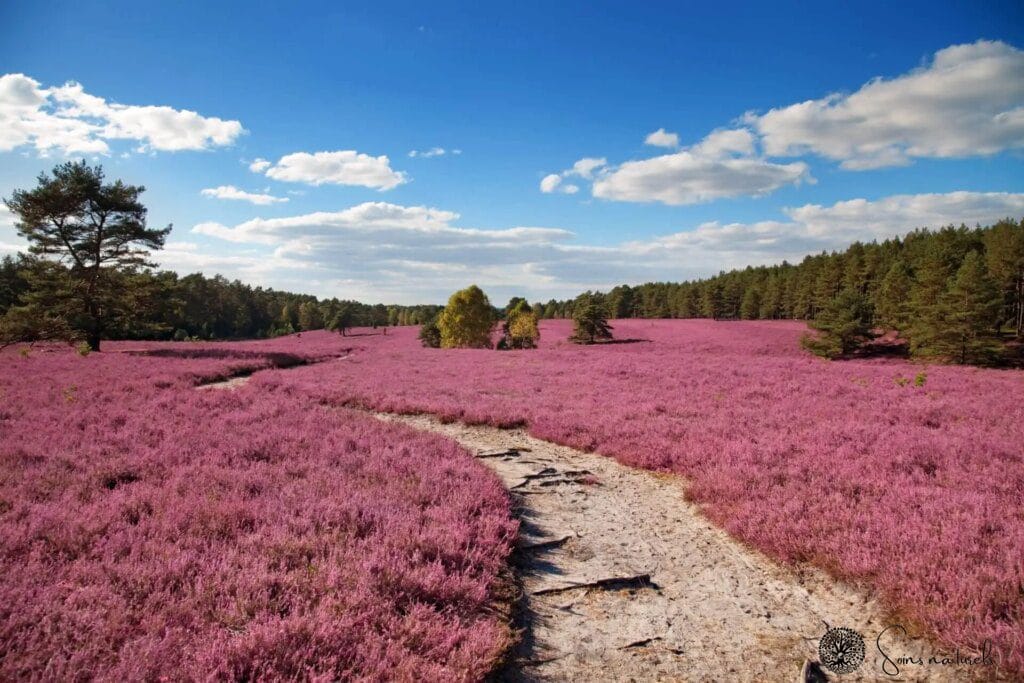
[(697, 606)]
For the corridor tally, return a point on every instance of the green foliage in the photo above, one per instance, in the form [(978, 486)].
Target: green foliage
[(96, 230), (961, 325), (430, 334), (590, 322), (467, 320), (920, 379), (842, 325), (892, 302), (83, 349)]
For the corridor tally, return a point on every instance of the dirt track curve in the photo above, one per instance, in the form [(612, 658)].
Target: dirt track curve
[(624, 580)]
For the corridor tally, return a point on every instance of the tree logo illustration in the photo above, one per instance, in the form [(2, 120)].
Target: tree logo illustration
[(841, 650)]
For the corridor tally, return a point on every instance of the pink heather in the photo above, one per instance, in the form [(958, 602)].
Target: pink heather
[(917, 492), (152, 530)]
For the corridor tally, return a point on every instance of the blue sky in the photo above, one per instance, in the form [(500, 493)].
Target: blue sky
[(776, 138)]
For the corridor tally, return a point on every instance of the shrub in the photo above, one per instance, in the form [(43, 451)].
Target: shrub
[(83, 349), (430, 334)]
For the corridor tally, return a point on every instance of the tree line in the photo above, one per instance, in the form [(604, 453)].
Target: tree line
[(954, 292), (87, 276)]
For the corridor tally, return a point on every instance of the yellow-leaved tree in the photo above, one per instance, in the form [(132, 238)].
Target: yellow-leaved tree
[(467, 320)]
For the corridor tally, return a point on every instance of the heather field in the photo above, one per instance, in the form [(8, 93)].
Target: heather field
[(149, 531), (904, 478)]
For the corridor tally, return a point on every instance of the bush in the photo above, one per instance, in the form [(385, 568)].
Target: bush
[(83, 349), (430, 334)]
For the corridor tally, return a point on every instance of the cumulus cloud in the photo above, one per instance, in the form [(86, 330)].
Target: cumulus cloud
[(232, 192), (689, 178), (968, 100), (723, 164), (419, 254), (71, 121), (553, 183), (259, 165), (345, 167), (584, 168), (662, 138)]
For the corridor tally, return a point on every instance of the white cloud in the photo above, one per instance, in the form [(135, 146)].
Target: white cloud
[(232, 192), (418, 254), (725, 142), (723, 164), (432, 152), (550, 182), (968, 101), (661, 138), (689, 178), (259, 165), (71, 121), (584, 168), (346, 167)]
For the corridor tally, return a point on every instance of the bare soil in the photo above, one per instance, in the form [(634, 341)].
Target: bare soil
[(623, 579)]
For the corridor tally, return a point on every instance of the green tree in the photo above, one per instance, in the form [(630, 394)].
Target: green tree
[(92, 240), (892, 303), (970, 312), (343, 319), (430, 334), (1004, 251), (750, 309), (467, 320), (842, 325), (590, 322), (309, 316)]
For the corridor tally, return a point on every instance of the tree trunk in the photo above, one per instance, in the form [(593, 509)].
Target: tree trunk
[(93, 340)]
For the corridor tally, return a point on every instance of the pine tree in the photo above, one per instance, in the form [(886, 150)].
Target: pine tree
[(970, 312), (842, 326), (91, 239), (590, 322), (892, 302), (750, 309), (1004, 251)]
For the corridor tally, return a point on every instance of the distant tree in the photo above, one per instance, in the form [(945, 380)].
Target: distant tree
[(520, 329), (969, 313), (342, 320), (467, 320), (430, 334), (309, 316), (590, 322), (91, 239), (842, 325), (750, 309)]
